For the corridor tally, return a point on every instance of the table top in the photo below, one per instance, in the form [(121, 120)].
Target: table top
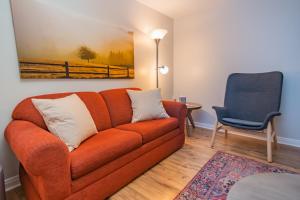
[(193, 106), (189, 105), (266, 186)]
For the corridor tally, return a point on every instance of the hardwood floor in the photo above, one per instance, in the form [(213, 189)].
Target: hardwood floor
[(165, 180)]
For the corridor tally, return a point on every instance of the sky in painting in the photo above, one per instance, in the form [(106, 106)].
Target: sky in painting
[(44, 30)]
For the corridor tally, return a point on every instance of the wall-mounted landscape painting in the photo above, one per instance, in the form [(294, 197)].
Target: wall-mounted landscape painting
[(56, 42)]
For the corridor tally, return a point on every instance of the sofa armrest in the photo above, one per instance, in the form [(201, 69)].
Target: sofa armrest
[(177, 110), (44, 157)]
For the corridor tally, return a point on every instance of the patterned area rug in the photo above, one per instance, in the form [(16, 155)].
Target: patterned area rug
[(220, 173)]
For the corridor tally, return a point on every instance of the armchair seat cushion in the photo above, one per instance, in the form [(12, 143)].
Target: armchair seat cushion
[(242, 122), (152, 129), (102, 148)]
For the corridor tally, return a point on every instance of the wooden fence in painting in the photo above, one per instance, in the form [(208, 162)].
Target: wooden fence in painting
[(68, 69)]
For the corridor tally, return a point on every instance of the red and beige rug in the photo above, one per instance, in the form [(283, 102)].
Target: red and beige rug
[(220, 173)]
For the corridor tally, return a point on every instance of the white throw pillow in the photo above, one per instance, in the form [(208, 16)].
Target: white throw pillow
[(68, 118), (146, 105)]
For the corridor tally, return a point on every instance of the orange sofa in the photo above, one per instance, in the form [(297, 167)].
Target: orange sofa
[(103, 163)]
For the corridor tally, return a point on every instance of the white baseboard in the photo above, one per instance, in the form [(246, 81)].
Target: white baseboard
[(12, 182), (204, 125), (281, 140), (289, 141)]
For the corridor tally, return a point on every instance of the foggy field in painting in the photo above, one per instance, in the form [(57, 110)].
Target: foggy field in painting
[(54, 42)]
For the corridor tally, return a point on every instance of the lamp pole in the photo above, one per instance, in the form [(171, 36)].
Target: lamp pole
[(157, 44), (157, 35)]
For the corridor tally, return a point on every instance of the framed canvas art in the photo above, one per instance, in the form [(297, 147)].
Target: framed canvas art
[(56, 42)]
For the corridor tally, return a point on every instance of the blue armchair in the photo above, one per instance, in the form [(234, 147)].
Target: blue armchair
[(251, 103)]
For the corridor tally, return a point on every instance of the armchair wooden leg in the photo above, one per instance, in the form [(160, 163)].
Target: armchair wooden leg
[(212, 142), (274, 134), (269, 142), (226, 133)]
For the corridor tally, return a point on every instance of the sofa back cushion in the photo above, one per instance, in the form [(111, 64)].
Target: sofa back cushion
[(94, 102), (119, 105)]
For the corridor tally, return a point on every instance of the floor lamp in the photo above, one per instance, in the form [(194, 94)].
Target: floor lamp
[(157, 35)]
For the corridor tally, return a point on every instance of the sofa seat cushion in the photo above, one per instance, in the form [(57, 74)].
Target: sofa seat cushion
[(151, 129), (121, 162), (102, 148)]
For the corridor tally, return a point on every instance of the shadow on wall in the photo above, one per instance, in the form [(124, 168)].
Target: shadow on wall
[(204, 118)]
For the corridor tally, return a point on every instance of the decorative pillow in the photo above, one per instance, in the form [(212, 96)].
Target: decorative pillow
[(67, 118), (146, 105)]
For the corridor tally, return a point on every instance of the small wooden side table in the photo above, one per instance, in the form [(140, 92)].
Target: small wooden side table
[(190, 108)]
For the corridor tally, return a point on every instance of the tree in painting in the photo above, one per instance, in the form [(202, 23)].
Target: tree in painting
[(86, 53)]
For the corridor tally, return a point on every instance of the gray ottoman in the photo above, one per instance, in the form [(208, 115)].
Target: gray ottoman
[(266, 186), (2, 189)]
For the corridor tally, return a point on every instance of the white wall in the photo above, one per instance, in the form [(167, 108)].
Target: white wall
[(126, 13), (239, 36)]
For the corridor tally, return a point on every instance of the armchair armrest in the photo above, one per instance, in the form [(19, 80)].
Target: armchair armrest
[(44, 157), (177, 110), (270, 116), (221, 112)]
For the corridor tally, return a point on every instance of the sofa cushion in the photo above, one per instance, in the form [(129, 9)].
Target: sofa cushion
[(67, 118), (119, 105), (119, 163), (94, 102), (146, 105), (102, 148), (151, 129)]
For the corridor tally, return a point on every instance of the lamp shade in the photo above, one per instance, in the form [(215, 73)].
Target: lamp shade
[(164, 69), (158, 34)]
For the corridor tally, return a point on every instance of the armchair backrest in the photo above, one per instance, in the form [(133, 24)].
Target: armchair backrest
[(253, 96)]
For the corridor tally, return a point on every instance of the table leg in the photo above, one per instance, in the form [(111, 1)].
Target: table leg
[(189, 116), (187, 127)]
